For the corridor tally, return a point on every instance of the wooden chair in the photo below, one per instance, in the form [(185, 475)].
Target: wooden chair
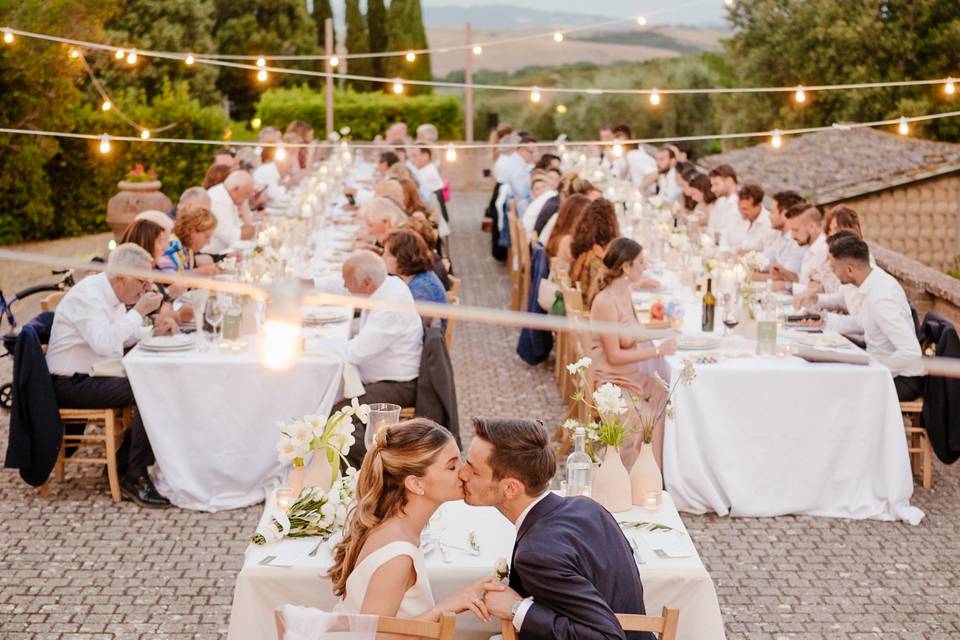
[(918, 444), (114, 424), (451, 324), (406, 413), (456, 287), (513, 257), (442, 630), (49, 303), (664, 625), (524, 253), (573, 304)]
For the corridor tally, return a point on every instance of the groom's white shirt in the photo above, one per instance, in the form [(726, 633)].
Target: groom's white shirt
[(526, 603)]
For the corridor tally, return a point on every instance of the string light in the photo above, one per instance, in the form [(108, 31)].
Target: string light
[(106, 106), (561, 108), (411, 56), (655, 97), (119, 54), (477, 49), (617, 149), (451, 153), (189, 60), (104, 143), (397, 86), (949, 88), (255, 123), (557, 36), (7, 36), (261, 62), (281, 152), (145, 134), (800, 96), (729, 3), (132, 57), (74, 54), (334, 61), (904, 127), (535, 95), (262, 75), (776, 139), (641, 21)]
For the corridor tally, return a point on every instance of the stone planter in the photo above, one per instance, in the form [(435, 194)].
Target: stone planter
[(133, 198)]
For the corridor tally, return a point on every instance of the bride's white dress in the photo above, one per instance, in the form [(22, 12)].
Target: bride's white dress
[(418, 598)]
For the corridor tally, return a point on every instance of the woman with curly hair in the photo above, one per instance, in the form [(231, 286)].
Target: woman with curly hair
[(408, 256), (595, 230)]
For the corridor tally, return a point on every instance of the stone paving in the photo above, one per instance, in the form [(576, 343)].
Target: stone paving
[(76, 566)]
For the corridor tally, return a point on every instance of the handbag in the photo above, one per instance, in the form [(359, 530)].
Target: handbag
[(559, 308), (547, 294)]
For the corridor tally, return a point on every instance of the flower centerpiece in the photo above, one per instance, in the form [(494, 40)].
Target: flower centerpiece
[(316, 512), (755, 261), (329, 438)]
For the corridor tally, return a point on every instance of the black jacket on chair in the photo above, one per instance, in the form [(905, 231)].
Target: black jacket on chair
[(436, 389), (941, 396), (36, 431)]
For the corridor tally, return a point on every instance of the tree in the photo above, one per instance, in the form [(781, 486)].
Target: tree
[(253, 27), (321, 11), (377, 32), (358, 42), (405, 32), (792, 42), (162, 25)]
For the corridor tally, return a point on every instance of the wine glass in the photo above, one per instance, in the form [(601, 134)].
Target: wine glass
[(213, 314), (731, 317)]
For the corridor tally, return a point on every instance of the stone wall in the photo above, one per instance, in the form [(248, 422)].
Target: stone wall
[(926, 288)]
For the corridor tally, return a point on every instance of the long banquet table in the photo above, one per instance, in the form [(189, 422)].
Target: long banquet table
[(677, 582)]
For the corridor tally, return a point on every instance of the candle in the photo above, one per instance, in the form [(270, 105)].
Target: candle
[(285, 498), (652, 499)]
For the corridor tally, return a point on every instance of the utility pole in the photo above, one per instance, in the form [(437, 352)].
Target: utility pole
[(468, 78), (328, 50)]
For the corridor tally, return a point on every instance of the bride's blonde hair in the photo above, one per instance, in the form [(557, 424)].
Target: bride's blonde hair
[(405, 449)]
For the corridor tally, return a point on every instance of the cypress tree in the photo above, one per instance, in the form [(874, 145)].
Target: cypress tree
[(377, 33), (405, 31), (321, 11), (358, 42)]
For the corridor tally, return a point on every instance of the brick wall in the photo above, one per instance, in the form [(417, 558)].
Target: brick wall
[(926, 288)]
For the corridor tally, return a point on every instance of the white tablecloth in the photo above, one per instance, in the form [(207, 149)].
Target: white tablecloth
[(212, 418), (676, 582)]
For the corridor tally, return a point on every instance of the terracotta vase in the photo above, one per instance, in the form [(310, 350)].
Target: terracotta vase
[(320, 473), (133, 198), (645, 475), (611, 484), (295, 480)]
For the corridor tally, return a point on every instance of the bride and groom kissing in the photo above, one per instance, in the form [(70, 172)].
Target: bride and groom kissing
[(571, 571)]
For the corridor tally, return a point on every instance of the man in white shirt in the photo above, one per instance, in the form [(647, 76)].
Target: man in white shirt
[(431, 184), (228, 201), (754, 231), (806, 227), (784, 250), (520, 164), (666, 176), (388, 343), (541, 190), (92, 324), (268, 176), (507, 147), (725, 214), (884, 315)]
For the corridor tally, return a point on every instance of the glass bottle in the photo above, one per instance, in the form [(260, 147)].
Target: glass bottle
[(579, 466), (709, 307)]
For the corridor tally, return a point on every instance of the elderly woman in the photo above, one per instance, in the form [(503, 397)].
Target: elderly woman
[(378, 216), (192, 231), (408, 256), (430, 236)]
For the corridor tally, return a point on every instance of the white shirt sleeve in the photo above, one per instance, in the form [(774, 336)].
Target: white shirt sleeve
[(525, 605), (885, 312), (104, 335), (843, 324)]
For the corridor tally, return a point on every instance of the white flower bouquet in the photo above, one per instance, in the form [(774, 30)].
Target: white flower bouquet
[(608, 403), (650, 418), (315, 513), (331, 437), (755, 261)]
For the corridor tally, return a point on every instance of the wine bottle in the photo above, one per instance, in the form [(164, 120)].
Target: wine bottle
[(709, 307)]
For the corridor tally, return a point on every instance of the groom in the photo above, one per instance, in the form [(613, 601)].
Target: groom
[(572, 568)]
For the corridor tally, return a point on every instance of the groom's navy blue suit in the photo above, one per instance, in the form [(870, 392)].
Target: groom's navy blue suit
[(573, 559)]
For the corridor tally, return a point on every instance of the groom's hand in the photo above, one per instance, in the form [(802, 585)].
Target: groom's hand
[(500, 603)]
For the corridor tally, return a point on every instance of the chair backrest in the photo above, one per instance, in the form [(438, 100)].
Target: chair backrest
[(456, 286), (50, 302), (572, 300), (442, 630), (664, 625)]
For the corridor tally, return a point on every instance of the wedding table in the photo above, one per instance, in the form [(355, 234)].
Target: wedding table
[(676, 582)]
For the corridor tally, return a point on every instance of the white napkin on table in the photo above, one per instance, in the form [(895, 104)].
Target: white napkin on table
[(109, 368)]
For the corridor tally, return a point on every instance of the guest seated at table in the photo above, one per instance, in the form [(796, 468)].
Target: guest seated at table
[(391, 189), (229, 202), (155, 240), (216, 174), (572, 569), (884, 315), (805, 222), (784, 250), (754, 232), (386, 160), (595, 230), (273, 173), (701, 192), (379, 216), (726, 210), (305, 132), (268, 136), (226, 157), (192, 231), (636, 162), (428, 178), (399, 148), (400, 171), (191, 198), (559, 235), (397, 133), (430, 237), (413, 204), (543, 188), (92, 324), (665, 176), (388, 344), (408, 256), (620, 360)]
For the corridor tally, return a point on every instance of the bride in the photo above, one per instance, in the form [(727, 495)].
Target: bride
[(379, 568)]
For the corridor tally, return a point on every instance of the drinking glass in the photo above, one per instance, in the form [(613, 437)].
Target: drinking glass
[(285, 497), (731, 317), (213, 314), (382, 415)]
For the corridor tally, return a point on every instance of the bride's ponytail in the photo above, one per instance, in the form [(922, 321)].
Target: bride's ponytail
[(399, 451)]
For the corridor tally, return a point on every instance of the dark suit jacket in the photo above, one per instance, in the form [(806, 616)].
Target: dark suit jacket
[(436, 389), (941, 396), (574, 560), (550, 207)]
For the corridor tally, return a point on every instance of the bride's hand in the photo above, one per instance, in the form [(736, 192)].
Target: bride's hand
[(471, 598)]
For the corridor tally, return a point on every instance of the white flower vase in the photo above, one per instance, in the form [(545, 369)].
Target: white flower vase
[(645, 476), (611, 484), (319, 473), (296, 479)]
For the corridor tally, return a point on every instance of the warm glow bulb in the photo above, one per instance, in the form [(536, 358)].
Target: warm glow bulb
[(189, 59), (411, 56), (477, 50), (334, 61), (261, 62), (7, 36), (561, 108), (262, 75), (145, 134), (557, 36), (397, 86), (74, 54), (535, 95), (904, 126), (278, 344), (949, 88), (641, 21), (655, 97), (617, 149), (255, 123), (281, 152), (104, 143), (729, 3), (800, 96), (132, 57), (451, 153), (106, 106), (119, 54), (776, 140)]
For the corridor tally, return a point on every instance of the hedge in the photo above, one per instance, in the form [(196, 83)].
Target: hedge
[(367, 114)]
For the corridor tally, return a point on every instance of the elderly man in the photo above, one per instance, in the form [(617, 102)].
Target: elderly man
[(92, 324), (192, 198), (379, 215), (397, 131), (228, 202), (388, 343)]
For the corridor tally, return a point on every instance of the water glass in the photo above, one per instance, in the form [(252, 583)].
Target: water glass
[(382, 415), (284, 497)]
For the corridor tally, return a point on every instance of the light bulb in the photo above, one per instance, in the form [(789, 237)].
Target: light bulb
[(561, 108), (112, 245), (262, 75), (106, 106), (949, 88), (411, 56), (477, 50), (800, 95), (776, 140), (104, 143), (278, 344), (7, 36), (189, 60), (281, 152), (655, 97), (729, 3), (617, 149), (145, 134), (334, 61), (261, 62), (641, 20), (255, 123), (557, 36), (132, 57), (904, 127), (74, 54), (119, 54), (397, 86), (451, 153), (535, 95)]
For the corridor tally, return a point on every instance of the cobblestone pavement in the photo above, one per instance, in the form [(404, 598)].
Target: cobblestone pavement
[(74, 565)]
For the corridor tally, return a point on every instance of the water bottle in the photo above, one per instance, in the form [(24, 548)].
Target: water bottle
[(232, 317), (579, 465)]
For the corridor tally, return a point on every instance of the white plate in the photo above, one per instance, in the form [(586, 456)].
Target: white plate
[(697, 343), (178, 341), (821, 340), (328, 315)]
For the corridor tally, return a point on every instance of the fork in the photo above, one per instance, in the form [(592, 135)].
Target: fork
[(313, 552)]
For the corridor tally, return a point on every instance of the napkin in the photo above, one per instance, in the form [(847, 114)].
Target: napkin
[(110, 368), (828, 355)]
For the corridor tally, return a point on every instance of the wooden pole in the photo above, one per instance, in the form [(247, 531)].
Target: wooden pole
[(328, 93), (468, 79)]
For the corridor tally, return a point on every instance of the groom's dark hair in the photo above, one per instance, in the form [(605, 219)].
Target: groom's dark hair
[(521, 450)]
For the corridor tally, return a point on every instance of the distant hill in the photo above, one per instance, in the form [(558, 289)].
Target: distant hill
[(504, 17), (680, 40)]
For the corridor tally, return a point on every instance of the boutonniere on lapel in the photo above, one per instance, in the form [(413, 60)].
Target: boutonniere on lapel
[(501, 570)]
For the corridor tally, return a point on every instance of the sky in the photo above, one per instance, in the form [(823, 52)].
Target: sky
[(692, 12)]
